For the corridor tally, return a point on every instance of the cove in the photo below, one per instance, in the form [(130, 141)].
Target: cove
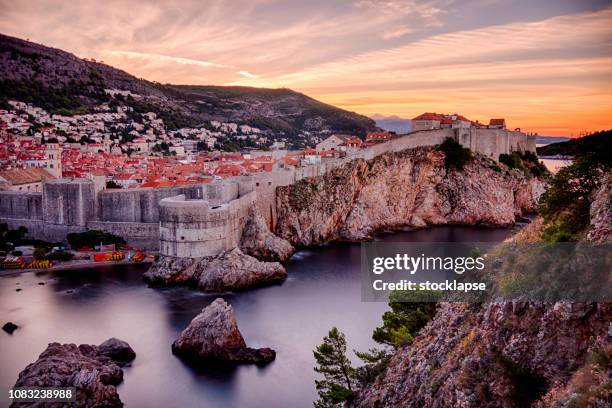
[(88, 306)]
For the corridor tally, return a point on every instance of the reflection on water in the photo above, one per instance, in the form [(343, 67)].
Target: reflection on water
[(89, 306), (554, 165)]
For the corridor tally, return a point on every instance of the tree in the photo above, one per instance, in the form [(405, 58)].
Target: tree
[(456, 156), (91, 238), (410, 312), (565, 206), (112, 184), (338, 385)]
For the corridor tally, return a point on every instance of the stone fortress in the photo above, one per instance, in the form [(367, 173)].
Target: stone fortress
[(207, 219)]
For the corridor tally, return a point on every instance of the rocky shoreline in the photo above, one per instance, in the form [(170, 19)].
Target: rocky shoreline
[(230, 270), (95, 372)]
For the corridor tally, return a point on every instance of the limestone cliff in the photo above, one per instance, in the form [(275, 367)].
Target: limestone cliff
[(507, 354), (407, 188), (259, 242)]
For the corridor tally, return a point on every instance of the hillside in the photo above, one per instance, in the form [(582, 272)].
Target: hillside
[(600, 142), (60, 82)]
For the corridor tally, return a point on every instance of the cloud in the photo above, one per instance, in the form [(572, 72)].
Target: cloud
[(163, 58), (397, 32), (247, 74)]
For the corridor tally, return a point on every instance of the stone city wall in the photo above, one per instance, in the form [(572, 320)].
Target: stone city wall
[(210, 216), (193, 228)]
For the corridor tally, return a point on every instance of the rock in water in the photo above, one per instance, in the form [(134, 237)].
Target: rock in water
[(10, 327), (117, 350), (94, 371), (213, 335), (230, 270), (259, 242), (233, 270)]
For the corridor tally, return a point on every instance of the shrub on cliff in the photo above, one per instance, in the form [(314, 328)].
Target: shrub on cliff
[(565, 205), (410, 312), (456, 156)]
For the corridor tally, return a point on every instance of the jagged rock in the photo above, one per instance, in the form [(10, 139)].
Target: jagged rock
[(93, 370), (230, 270), (600, 229), (410, 188), (10, 327), (233, 270), (170, 271), (259, 242), (214, 335)]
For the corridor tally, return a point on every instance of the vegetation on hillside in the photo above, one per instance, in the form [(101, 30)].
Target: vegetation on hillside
[(597, 142), (410, 312), (526, 161), (566, 203), (455, 155), (60, 82)]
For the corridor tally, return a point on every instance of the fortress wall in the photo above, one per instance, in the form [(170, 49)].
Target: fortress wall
[(138, 205), (16, 204), (68, 202), (72, 205), (195, 228)]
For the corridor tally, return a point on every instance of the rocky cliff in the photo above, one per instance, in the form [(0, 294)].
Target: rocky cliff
[(408, 188), (507, 354)]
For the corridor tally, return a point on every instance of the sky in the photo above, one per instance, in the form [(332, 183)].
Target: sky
[(545, 65)]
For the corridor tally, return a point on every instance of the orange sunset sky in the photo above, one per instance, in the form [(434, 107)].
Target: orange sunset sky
[(546, 66)]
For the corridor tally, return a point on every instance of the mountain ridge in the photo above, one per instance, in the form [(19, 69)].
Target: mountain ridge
[(61, 82)]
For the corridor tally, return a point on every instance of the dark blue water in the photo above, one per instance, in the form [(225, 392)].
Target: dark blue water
[(89, 306)]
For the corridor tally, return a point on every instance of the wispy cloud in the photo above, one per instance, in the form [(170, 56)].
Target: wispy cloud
[(247, 74), (162, 58), (397, 32), (539, 66)]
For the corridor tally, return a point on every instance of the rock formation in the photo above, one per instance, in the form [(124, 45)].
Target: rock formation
[(506, 354), (259, 242), (94, 371), (230, 270), (601, 212), (407, 188), (213, 335), (10, 327)]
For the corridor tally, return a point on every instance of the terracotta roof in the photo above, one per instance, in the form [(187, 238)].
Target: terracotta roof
[(26, 176), (497, 122)]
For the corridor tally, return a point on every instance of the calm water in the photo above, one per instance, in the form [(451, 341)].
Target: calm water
[(89, 306)]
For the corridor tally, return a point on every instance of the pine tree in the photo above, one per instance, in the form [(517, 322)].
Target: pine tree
[(339, 376)]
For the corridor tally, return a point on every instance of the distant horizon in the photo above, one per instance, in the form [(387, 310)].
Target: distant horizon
[(548, 70)]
